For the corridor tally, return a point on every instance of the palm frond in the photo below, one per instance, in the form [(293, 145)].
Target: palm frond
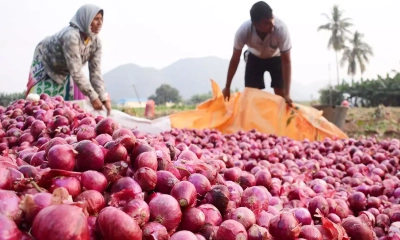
[(326, 26)]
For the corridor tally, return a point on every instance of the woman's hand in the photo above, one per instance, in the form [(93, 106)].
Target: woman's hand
[(107, 104), (97, 105)]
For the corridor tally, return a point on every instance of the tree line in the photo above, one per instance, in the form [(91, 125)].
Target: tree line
[(353, 52), (7, 98)]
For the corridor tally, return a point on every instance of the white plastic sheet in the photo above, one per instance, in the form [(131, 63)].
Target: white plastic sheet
[(155, 126)]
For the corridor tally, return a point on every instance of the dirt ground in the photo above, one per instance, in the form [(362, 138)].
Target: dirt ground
[(382, 122)]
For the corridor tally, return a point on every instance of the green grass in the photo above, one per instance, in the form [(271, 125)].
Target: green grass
[(159, 111)]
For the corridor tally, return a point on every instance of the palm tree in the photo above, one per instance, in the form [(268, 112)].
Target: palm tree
[(357, 53), (338, 26)]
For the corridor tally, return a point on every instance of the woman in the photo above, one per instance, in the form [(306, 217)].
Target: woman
[(57, 67)]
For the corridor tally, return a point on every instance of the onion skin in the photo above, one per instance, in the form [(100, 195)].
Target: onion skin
[(32, 204), (71, 223), (113, 223), (165, 209)]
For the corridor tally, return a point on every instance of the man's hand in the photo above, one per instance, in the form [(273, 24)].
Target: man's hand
[(288, 100), (227, 93), (107, 104), (97, 105)]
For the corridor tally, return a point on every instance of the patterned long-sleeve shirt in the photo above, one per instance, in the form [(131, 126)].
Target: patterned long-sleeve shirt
[(66, 53)]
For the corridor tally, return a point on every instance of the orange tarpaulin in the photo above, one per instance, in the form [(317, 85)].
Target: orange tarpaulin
[(256, 109)]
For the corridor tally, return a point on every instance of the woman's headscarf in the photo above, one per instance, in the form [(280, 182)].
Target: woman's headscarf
[(84, 17)]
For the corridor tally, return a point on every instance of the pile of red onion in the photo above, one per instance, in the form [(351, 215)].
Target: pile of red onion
[(65, 173)]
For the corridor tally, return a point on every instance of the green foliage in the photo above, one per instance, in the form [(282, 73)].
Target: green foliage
[(165, 93), (325, 96), (367, 93), (338, 26), (199, 98), (356, 55), (7, 98)]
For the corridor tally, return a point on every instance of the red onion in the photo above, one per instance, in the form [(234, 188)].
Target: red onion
[(183, 235), (146, 159), (9, 205), (193, 220), (256, 232), (113, 223), (116, 152), (8, 229), (263, 178), (255, 198), (212, 214), (230, 229), (264, 218), (106, 126), (146, 178), (201, 183), (154, 231), (61, 157), (303, 216), (284, 226), (86, 133), (310, 233), (102, 139), (185, 193), (219, 197), (165, 209), (89, 157), (66, 220), (138, 210), (357, 201), (95, 201), (92, 180), (32, 204), (356, 229), (5, 179), (70, 183), (126, 183), (165, 182), (244, 216), (232, 174)]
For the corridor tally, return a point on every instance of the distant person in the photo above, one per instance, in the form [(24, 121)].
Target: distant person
[(268, 42), (345, 103), (149, 110), (57, 67)]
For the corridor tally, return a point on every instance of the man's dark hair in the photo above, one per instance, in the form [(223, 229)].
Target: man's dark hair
[(259, 11)]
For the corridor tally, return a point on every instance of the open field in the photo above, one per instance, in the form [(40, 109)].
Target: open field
[(381, 122)]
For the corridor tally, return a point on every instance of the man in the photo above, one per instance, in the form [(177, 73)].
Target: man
[(268, 42)]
